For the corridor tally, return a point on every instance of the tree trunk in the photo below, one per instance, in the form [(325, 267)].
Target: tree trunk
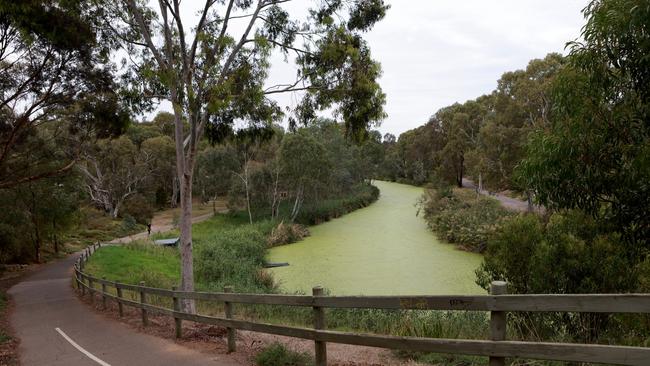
[(174, 199), (297, 204), (187, 261), (248, 196), (115, 211), (56, 241)]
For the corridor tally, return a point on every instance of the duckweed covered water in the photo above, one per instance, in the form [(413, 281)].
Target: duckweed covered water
[(383, 249)]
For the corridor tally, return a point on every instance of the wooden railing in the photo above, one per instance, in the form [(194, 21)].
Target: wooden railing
[(498, 303)]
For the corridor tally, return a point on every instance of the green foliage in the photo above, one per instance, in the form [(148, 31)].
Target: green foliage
[(313, 214), (128, 223), (135, 262), (463, 218), (278, 355), (595, 155), (571, 253), (138, 208), (482, 138), (230, 257)]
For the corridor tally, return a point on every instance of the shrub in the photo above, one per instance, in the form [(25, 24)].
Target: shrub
[(462, 218), (313, 214), (232, 257), (278, 355), (128, 224), (139, 208), (570, 253), (286, 234)]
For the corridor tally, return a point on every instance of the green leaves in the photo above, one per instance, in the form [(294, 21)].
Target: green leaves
[(594, 155)]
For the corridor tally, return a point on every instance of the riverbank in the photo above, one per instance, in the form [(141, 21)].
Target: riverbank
[(462, 217)]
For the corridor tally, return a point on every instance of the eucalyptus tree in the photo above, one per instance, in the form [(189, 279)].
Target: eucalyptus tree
[(214, 73), (53, 71), (595, 156)]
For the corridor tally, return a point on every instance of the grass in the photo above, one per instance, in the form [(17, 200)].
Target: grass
[(93, 226), (135, 262), (278, 355)]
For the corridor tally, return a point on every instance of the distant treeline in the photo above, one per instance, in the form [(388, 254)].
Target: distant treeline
[(484, 138)]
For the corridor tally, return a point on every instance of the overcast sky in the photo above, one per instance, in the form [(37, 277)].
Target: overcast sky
[(437, 52)]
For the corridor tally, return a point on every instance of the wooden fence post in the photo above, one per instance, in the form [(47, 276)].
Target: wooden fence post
[(104, 293), (143, 300), (178, 322), (83, 285), (231, 331), (120, 307), (91, 291), (319, 323), (498, 321)]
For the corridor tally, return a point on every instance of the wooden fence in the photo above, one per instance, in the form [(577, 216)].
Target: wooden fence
[(498, 303)]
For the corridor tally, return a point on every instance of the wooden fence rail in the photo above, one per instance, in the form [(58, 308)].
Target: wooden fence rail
[(497, 303)]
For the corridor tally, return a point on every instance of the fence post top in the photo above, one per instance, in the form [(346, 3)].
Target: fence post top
[(317, 290), (498, 288)]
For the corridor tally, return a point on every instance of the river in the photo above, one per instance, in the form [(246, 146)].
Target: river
[(383, 249)]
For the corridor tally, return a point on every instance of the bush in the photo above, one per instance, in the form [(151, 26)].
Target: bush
[(314, 214), (286, 234), (139, 208), (462, 218), (571, 253), (232, 257), (128, 224), (278, 355)]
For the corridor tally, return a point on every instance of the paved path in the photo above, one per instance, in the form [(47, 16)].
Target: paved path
[(46, 301), (507, 202)]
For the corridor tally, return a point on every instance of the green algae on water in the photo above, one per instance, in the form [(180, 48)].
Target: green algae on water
[(383, 249)]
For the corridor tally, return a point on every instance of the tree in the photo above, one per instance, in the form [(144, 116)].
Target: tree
[(53, 71), (216, 77), (215, 163), (460, 124), (305, 165), (160, 152), (114, 171), (595, 156)]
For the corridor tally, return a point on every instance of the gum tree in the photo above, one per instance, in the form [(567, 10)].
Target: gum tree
[(214, 72)]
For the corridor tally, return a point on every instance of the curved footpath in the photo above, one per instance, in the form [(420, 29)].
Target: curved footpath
[(46, 301), (56, 328)]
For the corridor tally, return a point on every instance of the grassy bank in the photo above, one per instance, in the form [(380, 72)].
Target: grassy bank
[(462, 217), (228, 250)]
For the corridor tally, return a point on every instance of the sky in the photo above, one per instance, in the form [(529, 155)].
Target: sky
[(437, 52)]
